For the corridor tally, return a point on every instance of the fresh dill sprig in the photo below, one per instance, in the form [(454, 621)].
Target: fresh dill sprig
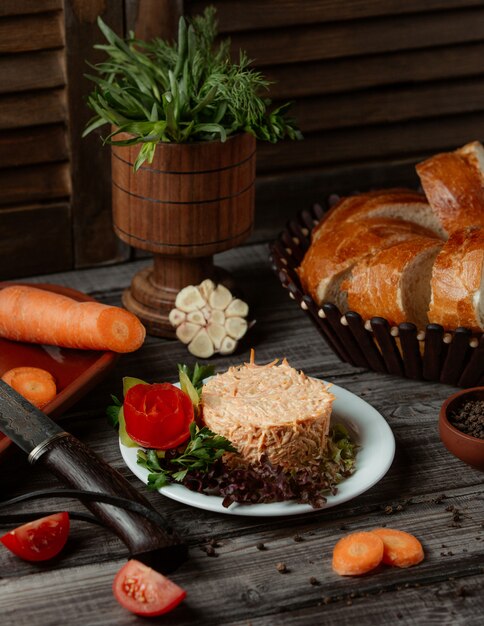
[(179, 92)]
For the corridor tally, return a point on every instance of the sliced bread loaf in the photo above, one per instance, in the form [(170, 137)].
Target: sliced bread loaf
[(403, 204), (458, 282), (454, 185), (329, 259), (394, 283)]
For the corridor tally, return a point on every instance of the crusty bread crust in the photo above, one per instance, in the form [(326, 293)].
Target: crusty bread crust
[(376, 287), (367, 224), (454, 185), (457, 279), (349, 242), (403, 204)]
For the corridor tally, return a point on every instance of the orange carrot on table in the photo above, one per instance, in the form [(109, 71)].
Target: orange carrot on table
[(399, 548), (39, 316), (357, 553), (34, 384)]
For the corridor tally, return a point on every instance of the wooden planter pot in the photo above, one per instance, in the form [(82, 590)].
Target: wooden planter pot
[(193, 201)]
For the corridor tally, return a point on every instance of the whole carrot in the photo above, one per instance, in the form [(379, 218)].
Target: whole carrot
[(39, 316)]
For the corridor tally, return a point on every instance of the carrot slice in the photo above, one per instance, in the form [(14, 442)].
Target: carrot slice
[(34, 384), (35, 372), (357, 553), (399, 548), (39, 316)]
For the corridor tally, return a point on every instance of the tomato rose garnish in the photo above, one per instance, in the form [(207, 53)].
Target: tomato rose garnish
[(158, 416)]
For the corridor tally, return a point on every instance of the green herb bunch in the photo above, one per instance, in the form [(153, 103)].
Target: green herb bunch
[(179, 92), (200, 453)]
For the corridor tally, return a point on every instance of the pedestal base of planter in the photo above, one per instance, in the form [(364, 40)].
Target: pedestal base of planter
[(150, 305), (153, 290)]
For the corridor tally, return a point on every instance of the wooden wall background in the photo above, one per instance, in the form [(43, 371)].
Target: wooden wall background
[(377, 85)]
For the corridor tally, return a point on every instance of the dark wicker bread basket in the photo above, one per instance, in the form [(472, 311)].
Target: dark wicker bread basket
[(455, 358)]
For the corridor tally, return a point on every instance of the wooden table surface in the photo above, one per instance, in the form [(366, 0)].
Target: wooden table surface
[(427, 492)]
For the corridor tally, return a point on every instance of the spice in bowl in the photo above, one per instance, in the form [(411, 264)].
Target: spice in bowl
[(469, 418), (461, 426)]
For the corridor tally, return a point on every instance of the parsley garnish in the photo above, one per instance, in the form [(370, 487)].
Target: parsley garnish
[(202, 450)]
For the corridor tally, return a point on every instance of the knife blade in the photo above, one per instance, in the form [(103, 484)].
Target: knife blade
[(22, 422), (77, 466)]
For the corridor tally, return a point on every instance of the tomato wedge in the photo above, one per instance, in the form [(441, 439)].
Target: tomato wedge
[(39, 540), (141, 590)]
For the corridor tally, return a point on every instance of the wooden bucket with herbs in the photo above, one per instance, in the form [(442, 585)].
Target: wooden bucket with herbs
[(184, 121)]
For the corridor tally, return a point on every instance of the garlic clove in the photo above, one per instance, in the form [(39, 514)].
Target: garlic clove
[(187, 331), (206, 287), (201, 345), (217, 317), (216, 332), (236, 327), (237, 308), (196, 317), (207, 312), (176, 317), (227, 346), (220, 298), (189, 299)]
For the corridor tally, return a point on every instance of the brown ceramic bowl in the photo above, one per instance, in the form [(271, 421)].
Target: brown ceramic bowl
[(468, 449), (75, 371)]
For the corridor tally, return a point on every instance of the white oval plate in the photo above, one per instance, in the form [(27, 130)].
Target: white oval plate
[(375, 455)]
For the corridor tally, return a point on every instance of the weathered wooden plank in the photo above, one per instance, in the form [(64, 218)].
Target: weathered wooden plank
[(35, 238), (32, 32), (372, 142), (237, 15), (358, 38), (247, 578), (388, 105), (33, 108), (451, 602), (34, 183), (38, 70), (153, 18), (347, 74), (40, 144), (94, 239), (22, 7)]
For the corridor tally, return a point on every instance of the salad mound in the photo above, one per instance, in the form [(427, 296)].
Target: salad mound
[(271, 411)]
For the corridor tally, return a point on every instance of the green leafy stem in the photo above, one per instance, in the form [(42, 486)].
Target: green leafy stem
[(201, 452), (179, 92)]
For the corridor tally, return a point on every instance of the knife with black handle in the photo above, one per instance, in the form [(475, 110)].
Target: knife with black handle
[(78, 467)]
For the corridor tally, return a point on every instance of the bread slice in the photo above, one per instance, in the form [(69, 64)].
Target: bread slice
[(454, 185), (403, 204), (270, 410), (394, 283), (329, 259), (458, 282)]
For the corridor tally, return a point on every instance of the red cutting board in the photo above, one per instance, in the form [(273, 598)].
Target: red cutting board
[(75, 371)]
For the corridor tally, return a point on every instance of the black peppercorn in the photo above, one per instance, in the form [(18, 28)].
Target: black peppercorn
[(469, 418)]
